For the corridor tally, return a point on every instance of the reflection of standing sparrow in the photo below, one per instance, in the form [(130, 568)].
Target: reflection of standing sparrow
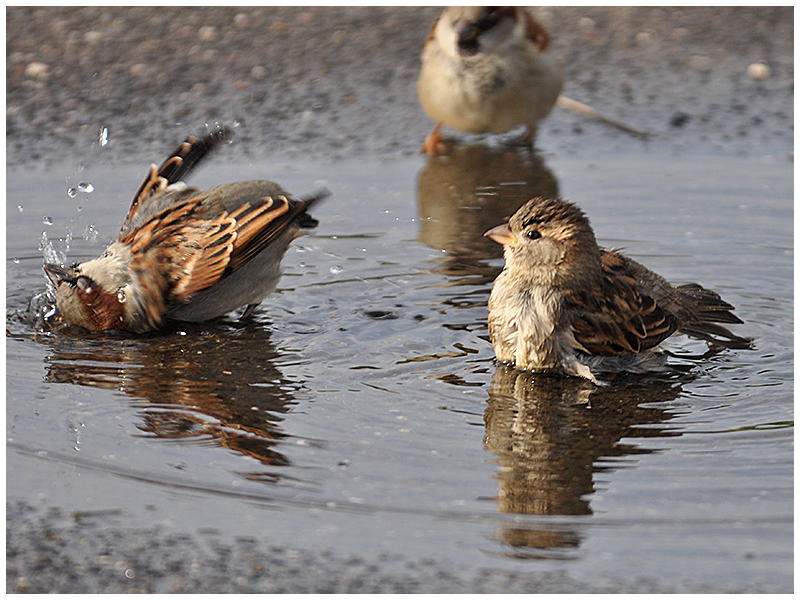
[(486, 69), (184, 254), (564, 304)]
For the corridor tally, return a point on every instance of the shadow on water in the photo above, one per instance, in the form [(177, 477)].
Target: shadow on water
[(552, 435), (193, 384)]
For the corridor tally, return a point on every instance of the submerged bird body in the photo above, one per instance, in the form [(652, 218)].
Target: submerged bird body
[(184, 254), (563, 304), (487, 70)]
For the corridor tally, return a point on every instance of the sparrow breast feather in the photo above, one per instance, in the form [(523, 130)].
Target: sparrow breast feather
[(487, 70), (563, 304), (184, 254)]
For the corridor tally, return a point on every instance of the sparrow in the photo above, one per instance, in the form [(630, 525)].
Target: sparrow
[(184, 254), (487, 70), (563, 304)]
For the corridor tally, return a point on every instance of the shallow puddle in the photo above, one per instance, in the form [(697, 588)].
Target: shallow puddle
[(362, 411)]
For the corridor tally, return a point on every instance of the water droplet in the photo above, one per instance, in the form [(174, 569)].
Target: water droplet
[(19, 207), (121, 296), (104, 136), (336, 269), (72, 192), (16, 260), (90, 233), (47, 220), (85, 187)]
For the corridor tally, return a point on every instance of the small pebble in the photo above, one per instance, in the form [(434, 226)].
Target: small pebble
[(207, 33), (37, 70), (91, 37), (758, 70)]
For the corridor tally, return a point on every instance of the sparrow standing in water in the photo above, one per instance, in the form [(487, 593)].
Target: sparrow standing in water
[(487, 69), (563, 304), (185, 254)]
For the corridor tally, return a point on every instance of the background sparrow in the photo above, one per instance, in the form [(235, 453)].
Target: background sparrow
[(486, 69), (565, 305), (183, 254)]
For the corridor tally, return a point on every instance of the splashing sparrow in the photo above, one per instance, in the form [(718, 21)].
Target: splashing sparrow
[(185, 254), (565, 305), (487, 69)]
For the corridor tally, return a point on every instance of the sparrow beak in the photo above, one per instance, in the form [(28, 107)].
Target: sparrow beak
[(59, 274), (502, 235)]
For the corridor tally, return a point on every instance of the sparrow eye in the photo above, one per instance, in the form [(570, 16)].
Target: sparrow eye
[(533, 234)]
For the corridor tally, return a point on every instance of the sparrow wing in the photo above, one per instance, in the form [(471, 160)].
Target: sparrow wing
[(183, 250), (263, 213), (180, 251), (617, 318), (178, 165)]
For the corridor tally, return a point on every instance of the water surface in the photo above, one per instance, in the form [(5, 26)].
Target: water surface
[(362, 410)]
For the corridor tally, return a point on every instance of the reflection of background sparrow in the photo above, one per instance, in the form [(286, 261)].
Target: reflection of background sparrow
[(487, 69), (564, 304), (184, 254), (474, 189)]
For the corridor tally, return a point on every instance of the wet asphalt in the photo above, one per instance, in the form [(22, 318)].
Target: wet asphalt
[(334, 83)]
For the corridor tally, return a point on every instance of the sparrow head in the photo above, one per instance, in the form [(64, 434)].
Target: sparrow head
[(473, 29), (92, 295), (549, 240)]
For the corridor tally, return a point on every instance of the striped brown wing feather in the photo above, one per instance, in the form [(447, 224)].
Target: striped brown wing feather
[(211, 245), (183, 249), (179, 164), (260, 224), (617, 319)]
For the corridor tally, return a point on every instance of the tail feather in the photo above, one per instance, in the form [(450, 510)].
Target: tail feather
[(177, 166), (717, 334), (306, 221), (709, 309)]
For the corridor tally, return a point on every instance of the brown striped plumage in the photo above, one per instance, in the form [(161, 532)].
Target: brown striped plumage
[(564, 304), (487, 69), (182, 253)]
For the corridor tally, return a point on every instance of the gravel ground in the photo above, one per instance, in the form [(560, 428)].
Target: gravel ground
[(339, 82), (335, 82), (57, 552)]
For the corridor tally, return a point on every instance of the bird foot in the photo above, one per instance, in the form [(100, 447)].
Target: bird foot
[(247, 315), (434, 142)]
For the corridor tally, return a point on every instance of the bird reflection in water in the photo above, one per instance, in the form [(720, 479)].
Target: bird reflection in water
[(551, 435), (205, 387), (467, 192)]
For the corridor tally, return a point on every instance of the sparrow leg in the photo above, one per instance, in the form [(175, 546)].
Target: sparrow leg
[(434, 142), (247, 314), (529, 136)]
